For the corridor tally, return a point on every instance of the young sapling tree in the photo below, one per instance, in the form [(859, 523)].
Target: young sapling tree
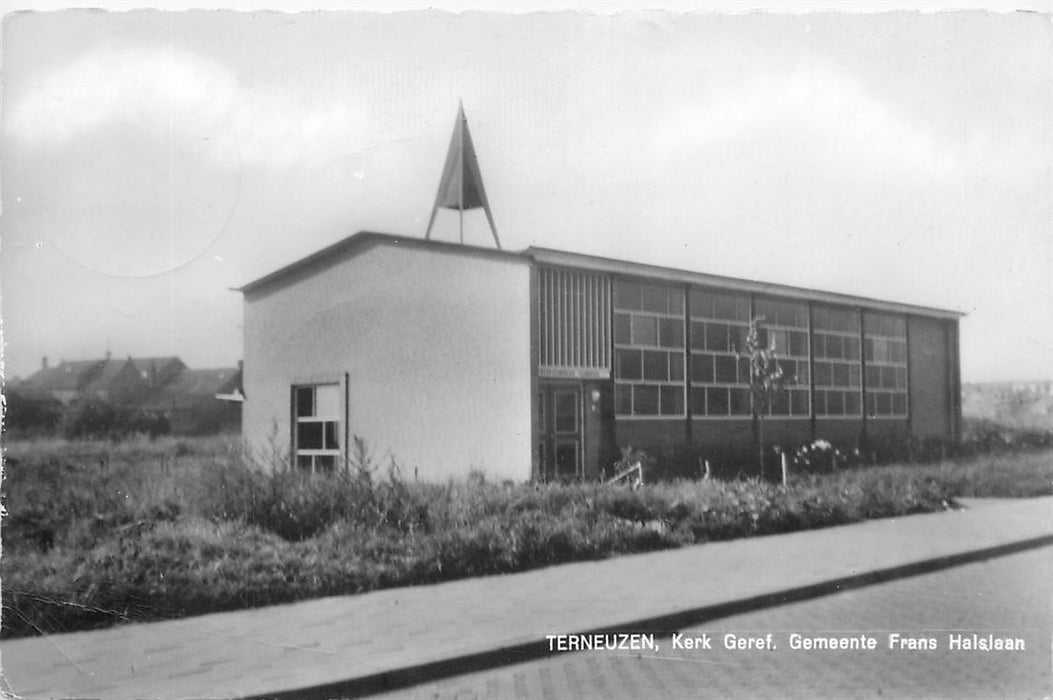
[(766, 379)]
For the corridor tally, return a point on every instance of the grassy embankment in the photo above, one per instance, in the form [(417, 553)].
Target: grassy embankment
[(100, 534)]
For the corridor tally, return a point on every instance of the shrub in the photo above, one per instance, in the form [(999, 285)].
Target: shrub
[(29, 412), (103, 420), (981, 436), (91, 543), (672, 462)]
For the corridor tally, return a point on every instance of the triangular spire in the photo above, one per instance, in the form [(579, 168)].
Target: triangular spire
[(461, 186)]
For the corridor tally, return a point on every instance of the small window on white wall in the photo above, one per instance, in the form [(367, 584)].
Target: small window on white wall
[(316, 419)]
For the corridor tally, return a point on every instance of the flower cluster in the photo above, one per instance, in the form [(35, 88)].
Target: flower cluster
[(822, 456)]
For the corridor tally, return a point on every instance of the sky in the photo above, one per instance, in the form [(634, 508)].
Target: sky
[(152, 160)]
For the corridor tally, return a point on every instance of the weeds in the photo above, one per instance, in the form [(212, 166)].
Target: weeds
[(100, 534)]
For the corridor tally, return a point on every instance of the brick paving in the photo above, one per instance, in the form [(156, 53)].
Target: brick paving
[(332, 643), (1010, 595)]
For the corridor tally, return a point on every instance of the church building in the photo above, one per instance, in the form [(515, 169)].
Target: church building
[(543, 364)]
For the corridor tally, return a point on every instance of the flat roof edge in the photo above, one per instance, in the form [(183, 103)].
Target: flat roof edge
[(351, 245), (548, 256)]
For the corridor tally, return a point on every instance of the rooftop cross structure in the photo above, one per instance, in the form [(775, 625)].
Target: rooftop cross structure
[(461, 185)]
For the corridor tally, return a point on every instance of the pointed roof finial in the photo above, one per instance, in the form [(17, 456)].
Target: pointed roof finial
[(461, 185)]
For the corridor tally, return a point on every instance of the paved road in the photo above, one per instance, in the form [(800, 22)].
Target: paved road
[(1006, 596)]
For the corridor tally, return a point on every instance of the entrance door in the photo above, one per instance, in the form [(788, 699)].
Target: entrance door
[(560, 450)]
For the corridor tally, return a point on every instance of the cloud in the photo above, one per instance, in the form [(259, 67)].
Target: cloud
[(854, 126), (174, 93)]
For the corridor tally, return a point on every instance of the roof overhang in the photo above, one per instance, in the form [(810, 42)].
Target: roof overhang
[(360, 242), (364, 240), (558, 258), (234, 397)]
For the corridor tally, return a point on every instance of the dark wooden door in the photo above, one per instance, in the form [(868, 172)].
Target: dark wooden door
[(562, 430)]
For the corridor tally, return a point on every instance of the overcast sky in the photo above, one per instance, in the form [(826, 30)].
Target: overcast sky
[(152, 160)]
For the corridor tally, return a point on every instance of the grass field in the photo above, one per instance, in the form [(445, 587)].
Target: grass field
[(99, 534)]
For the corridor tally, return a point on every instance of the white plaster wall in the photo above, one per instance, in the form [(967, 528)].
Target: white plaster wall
[(437, 346)]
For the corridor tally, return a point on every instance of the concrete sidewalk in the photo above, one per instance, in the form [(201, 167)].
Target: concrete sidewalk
[(356, 644)]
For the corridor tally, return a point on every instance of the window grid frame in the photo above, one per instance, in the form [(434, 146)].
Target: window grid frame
[(798, 360), (846, 389), (814, 391), (631, 385), (314, 454), (706, 317), (874, 392)]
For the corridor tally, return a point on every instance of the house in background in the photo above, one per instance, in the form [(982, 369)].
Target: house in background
[(117, 381), (157, 372), (160, 385), (543, 363), (69, 382), (62, 382), (190, 401), (1026, 405), (29, 410)]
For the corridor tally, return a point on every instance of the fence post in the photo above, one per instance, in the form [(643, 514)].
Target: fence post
[(785, 469)]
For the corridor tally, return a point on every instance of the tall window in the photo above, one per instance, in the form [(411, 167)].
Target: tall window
[(787, 323), (648, 350), (886, 359), (574, 326), (316, 419), (720, 374), (838, 370)]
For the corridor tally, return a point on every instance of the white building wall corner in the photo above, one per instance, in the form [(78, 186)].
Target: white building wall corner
[(436, 347)]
